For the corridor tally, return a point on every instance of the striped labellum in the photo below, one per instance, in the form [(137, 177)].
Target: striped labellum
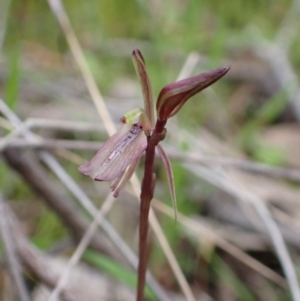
[(116, 154)]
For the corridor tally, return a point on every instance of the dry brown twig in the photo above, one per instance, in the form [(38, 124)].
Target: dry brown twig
[(11, 254), (36, 177), (206, 233), (37, 262), (219, 178)]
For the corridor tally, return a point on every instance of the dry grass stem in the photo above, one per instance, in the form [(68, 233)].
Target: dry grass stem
[(278, 59), (36, 261), (81, 247), (11, 255), (242, 164), (219, 178), (62, 17), (206, 233), (50, 144)]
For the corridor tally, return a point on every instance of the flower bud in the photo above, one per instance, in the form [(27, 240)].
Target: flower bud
[(173, 96)]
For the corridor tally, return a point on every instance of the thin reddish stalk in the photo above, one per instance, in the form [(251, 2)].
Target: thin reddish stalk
[(147, 191)]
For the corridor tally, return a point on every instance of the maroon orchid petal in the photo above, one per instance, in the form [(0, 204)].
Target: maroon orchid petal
[(173, 96), (116, 154), (170, 177), (140, 67)]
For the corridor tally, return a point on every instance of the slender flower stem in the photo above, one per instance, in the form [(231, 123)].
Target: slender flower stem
[(159, 127), (147, 191), (146, 197)]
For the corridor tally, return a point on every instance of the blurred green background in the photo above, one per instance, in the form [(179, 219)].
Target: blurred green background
[(38, 71)]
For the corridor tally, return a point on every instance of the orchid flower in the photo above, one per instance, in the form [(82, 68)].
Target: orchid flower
[(115, 159), (118, 157)]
